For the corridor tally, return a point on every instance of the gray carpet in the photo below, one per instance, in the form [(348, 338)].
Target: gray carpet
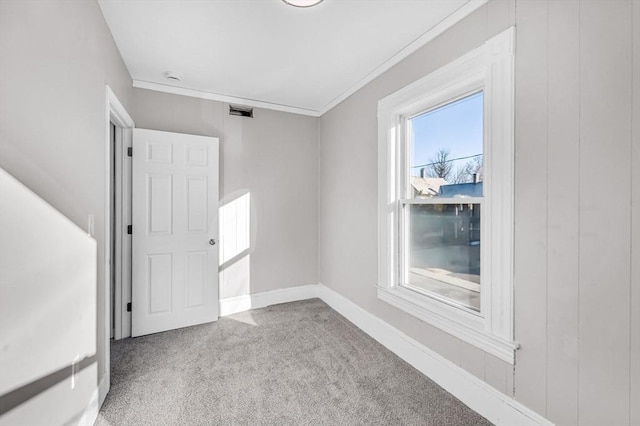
[(297, 363)]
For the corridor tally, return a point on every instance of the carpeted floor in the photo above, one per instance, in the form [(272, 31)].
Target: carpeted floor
[(297, 363)]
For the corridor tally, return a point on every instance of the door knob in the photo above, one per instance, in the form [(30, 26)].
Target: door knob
[(212, 242)]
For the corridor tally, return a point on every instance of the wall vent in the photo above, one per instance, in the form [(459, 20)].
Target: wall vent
[(241, 111)]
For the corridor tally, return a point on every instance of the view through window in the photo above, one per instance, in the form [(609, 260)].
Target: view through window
[(442, 214)]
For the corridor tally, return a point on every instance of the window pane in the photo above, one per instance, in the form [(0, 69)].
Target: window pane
[(446, 150), (444, 251)]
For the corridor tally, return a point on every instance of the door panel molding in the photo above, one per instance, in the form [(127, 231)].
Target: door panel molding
[(175, 215)]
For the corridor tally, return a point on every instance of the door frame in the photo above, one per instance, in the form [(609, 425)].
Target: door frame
[(122, 287), (116, 113)]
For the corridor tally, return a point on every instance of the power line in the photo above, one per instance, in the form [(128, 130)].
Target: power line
[(447, 161)]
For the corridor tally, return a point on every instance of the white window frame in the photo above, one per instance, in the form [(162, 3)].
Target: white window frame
[(489, 68)]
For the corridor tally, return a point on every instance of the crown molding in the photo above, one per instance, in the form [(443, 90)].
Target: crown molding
[(425, 38), (141, 84)]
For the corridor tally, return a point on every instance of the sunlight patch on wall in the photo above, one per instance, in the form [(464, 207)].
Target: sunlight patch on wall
[(234, 228), (235, 241), (235, 280)]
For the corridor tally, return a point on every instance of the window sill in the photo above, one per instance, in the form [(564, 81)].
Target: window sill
[(463, 324)]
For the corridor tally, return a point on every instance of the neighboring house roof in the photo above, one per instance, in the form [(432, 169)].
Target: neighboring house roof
[(427, 187), (461, 190)]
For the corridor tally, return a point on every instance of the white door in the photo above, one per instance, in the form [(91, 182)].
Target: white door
[(175, 231)]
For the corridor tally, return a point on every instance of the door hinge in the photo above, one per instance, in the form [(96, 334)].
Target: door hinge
[(129, 229), (129, 307), (130, 152)]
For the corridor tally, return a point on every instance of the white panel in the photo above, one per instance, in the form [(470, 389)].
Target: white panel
[(175, 213), (159, 204), (197, 155), (47, 288), (159, 152), (530, 263), (46, 409), (160, 282), (197, 203), (605, 213), (195, 278), (563, 192), (635, 226)]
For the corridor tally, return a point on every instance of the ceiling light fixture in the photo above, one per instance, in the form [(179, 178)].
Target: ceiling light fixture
[(302, 3)]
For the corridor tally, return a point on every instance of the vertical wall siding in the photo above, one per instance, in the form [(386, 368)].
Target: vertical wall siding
[(563, 183), (573, 203), (577, 240), (605, 206), (530, 267), (634, 354)]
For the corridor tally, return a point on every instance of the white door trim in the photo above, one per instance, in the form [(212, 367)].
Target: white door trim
[(122, 323), (116, 113)]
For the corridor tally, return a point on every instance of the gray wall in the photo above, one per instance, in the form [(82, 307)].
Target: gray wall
[(55, 59), (272, 156), (577, 290)]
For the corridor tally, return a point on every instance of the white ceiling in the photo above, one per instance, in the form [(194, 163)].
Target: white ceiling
[(266, 53)]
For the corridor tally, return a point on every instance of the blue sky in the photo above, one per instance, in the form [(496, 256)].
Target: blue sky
[(456, 127)]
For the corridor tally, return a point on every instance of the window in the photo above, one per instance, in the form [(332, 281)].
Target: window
[(446, 197), (440, 216)]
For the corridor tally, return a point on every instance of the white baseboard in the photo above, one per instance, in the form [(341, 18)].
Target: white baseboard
[(233, 305), (495, 406)]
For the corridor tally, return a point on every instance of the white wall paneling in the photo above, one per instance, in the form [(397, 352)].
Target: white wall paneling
[(531, 204), (634, 353), (605, 257), (563, 183), (47, 309)]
